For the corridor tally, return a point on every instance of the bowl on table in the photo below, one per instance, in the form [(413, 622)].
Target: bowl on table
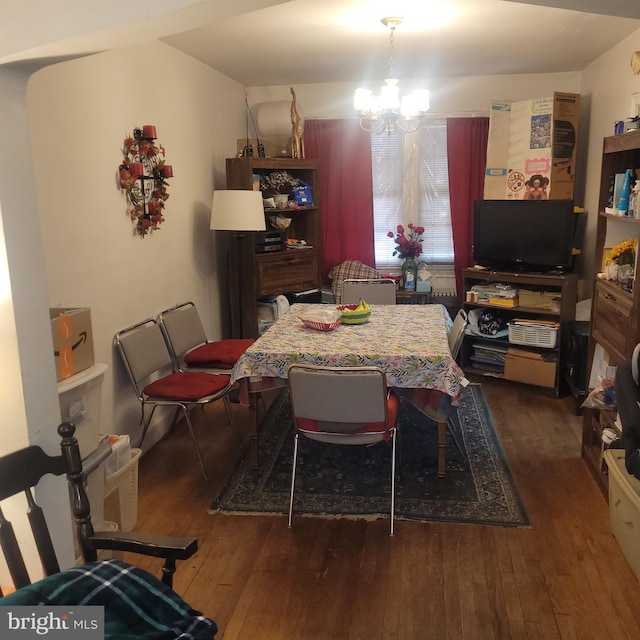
[(351, 314)]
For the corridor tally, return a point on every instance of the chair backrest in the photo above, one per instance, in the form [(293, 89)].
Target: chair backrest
[(346, 271), (144, 352), (456, 334), (373, 290), (345, 405), (20, 472), (183, 330)]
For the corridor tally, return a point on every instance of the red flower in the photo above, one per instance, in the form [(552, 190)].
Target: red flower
[(407, 245)]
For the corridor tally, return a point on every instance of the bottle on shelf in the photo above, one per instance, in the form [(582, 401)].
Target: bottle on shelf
[(623, 202)]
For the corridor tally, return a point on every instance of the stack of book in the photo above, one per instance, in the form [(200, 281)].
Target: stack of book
[(489, 357), (504, 295)]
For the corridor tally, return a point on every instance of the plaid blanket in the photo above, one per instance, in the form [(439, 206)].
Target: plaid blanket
[(136, 604)]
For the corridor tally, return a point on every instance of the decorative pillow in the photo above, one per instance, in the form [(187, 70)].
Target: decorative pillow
[(189, 385), (222, 354), (346, 270)]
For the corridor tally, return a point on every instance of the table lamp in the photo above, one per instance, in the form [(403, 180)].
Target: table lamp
[(240, 212)]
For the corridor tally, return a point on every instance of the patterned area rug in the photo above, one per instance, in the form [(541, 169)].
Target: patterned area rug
[(355, 481)]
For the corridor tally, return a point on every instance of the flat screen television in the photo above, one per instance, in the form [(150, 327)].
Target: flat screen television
[(524, 235)]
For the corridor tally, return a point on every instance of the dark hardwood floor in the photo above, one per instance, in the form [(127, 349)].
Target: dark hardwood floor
[(564, 577)]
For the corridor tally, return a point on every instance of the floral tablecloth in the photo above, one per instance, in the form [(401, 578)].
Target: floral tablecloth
[(409, 342)]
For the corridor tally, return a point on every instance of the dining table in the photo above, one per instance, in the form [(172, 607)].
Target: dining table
[(408, 342)]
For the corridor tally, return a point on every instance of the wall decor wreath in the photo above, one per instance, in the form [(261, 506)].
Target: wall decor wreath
[(143, 176)]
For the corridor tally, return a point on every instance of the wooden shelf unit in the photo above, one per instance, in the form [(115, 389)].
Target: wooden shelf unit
[(566, 288), (615, 312), (255, 275)]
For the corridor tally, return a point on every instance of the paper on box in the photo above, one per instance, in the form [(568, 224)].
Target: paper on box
[(532, 139)]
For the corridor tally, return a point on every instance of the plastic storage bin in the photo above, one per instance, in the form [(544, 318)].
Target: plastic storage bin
[(533, 336), (624, 508), (121, 494), (80, 397)]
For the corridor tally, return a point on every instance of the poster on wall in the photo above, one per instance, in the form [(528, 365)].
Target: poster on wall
[(531, 152)]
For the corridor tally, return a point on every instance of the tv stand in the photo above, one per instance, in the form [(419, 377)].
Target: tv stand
[(561, 286)]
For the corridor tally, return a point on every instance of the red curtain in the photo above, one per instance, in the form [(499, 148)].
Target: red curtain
[(467, 154), (343, 151)]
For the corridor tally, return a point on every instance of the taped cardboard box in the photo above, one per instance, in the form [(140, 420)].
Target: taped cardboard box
[(530, 371), (531, 152), (72, 340), (539, 299)]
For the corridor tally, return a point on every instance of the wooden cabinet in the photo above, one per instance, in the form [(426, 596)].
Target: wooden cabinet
[(615, 311), (612, 319), (561, 289), (293, 270), (253, 275)]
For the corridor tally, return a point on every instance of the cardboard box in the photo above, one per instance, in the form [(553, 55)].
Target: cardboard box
[(539, 299), (529, 371), (531, 153), (72, 340)]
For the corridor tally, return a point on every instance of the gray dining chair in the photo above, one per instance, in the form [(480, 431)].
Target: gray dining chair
[(456, 336), (361, 411), (456, 333), (190, 348), (373, 290), (157, 381)]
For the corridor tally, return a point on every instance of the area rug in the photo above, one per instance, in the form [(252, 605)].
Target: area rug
[(355, 481)]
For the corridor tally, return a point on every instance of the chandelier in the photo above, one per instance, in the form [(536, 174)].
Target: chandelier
[(389, 111)]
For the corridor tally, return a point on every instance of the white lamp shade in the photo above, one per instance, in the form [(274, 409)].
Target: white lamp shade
[(237, 210)]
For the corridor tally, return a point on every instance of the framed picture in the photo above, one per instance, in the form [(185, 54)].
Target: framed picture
[(606, 254)]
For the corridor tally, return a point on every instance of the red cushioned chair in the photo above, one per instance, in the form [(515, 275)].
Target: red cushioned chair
[(342, 405), (192, 351), (189, 345), (157, 380)]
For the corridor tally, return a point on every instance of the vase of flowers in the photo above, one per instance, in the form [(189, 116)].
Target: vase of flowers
[(409, 247)]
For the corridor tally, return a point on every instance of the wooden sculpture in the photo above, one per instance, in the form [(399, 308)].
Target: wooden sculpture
[(297, 127)]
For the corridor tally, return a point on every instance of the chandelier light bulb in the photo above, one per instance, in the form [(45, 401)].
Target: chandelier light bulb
[(388, 111), (389, 95)]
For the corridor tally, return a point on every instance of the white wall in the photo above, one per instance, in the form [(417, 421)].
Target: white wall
[(79, 115), (448, 95)]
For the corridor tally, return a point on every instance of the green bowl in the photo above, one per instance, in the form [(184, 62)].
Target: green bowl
[(355, 318)]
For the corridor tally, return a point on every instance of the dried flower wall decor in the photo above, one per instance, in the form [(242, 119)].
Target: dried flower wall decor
[(143, 175)]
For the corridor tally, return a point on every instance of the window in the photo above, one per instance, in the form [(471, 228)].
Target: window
[(411, 184)]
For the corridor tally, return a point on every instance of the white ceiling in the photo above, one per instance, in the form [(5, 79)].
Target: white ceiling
[(275, 42), (310, 41)]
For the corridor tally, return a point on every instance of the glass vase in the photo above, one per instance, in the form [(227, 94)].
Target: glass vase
[(409, 274)]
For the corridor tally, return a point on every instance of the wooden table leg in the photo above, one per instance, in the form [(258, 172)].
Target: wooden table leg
[(442, 449)]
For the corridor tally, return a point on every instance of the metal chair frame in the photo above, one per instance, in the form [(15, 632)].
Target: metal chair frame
[(183, 331), (145, 353), (358, 400), (456, 336)]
